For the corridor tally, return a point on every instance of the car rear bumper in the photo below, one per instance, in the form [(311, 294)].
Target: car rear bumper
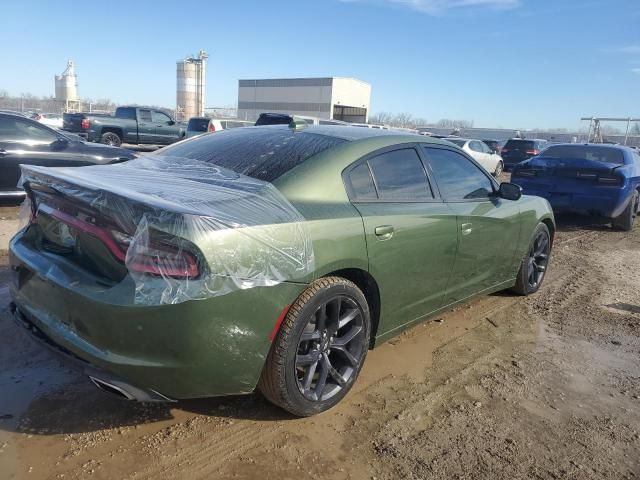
[(607, 202), (192, 349)]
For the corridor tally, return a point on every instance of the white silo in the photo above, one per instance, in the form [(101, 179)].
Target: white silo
[(190, 83), (67, 85)]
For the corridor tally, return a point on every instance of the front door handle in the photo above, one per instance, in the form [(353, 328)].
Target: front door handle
[(3, 153), (466, 228), (384, 232)]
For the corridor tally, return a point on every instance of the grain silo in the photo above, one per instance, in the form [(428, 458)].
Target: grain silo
[(190, 82), (67, 86)]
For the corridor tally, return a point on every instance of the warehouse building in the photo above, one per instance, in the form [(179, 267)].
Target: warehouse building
[(337, 98)]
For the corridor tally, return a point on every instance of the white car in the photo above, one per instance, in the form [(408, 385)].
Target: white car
[(53, 120), (481, 153), (200, 125)]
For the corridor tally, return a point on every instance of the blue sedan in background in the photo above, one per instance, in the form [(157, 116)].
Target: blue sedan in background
[(593, 179)]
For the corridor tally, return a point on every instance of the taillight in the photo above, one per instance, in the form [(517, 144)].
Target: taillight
[(212, 127), (155, 258), (533, 152), (84, 124), (610, 180), (504, 150)]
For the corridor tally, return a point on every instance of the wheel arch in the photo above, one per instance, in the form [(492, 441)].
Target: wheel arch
[(551, 226), (112, 129), (369, 287)]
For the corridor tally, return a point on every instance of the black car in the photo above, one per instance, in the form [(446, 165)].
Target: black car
[(517, 150), (25, 141), (274, 119), (494, 145)]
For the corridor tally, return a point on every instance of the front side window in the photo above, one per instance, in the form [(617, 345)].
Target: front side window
[(400, 176), (159, 117), (17, 130), (457, 177)]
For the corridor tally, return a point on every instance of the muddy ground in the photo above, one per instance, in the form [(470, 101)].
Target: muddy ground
[(545, 387)]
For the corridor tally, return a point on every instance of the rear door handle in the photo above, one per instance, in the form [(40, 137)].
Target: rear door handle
[(384, 232), (466, 228)]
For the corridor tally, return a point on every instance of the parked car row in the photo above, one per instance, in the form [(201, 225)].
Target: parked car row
[(26, 141)]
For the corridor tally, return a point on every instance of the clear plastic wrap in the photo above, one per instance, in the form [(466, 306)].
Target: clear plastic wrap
[(184, 229)]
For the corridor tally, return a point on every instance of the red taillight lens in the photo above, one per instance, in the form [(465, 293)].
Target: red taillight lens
[(156, 259), (84, 124), (212, 127), (533, 152)]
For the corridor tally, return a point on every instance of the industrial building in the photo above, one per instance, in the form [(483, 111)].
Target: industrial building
[(66, 88), (190, 82), (337, 98)]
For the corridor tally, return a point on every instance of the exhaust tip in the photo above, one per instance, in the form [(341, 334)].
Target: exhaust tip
[(111, 388)]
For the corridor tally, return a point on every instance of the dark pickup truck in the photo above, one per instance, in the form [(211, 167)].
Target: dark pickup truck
[(135, 125)]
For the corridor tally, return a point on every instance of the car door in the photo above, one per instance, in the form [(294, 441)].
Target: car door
[(25, 141), (146, 127), (488, 226), (410, 234), (165, 130)]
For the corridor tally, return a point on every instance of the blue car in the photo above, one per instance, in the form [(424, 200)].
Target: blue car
[(593, 179)]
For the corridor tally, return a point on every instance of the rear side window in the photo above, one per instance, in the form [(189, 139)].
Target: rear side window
[(13, 128), (262, 153), (457, 177), (126, 112), (361, 183), (198, 124), (145, 115), (399, 175)]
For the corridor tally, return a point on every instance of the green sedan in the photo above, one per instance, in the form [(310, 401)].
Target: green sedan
[(265, 257)]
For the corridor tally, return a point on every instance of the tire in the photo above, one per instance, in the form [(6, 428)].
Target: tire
[(499, 169), (301, 357), (627, 219), (533, 266), (111, 138)]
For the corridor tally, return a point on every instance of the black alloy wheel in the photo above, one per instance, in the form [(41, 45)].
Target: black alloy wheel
[(330, 348), (538, 259)]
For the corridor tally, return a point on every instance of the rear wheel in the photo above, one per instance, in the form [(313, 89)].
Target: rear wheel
[(499, 169), (534, 264), (627, 219), (320, 348), (110, 138)]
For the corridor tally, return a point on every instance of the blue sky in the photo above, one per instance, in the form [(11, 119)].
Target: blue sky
[(510, 63)]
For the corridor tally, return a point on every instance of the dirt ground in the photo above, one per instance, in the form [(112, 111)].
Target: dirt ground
[(545, 387)]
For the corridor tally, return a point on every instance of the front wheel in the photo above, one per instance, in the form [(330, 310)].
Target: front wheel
[(499, 169), (320, 348), (111, 139), (627, 219), (535, 262)]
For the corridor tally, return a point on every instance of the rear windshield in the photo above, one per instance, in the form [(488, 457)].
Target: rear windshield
[(262, 153), (520, 145), (273, 120), (198, 124), (585, 152), (456, 141)]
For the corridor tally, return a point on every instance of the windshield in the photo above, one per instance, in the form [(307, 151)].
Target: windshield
[(585, 152)]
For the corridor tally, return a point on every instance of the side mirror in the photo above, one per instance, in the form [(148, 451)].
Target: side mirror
[(510, 191), (171, 122)]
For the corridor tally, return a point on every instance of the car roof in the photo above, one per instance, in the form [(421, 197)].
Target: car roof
[(529, 139)]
